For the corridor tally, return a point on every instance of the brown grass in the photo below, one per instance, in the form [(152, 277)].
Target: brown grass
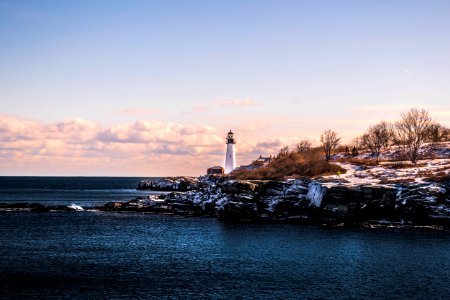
[(396, 181), (440, 177), (403, 165), (293, 165), (358, 161)]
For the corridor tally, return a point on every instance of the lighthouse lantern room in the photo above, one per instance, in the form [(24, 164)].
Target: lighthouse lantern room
[(230, 156)]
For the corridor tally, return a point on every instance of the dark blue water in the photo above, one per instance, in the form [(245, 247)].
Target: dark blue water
[(84, 191), (77, 255)]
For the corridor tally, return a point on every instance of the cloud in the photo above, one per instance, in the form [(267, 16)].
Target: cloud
[(137, 112), (252, 127), (143, 148), (86, 147), (12, 129), (155, 132), (75, 129)]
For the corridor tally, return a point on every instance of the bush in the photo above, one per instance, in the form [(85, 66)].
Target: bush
[(358, 161), (402, 165), (294, 165), (440, 177)]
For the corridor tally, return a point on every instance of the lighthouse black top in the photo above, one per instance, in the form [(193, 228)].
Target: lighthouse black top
[(230, 139)]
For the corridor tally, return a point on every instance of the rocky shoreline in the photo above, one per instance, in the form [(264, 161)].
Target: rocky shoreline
[(328, 202), (305, 201)]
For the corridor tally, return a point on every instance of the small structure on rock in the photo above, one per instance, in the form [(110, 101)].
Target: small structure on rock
[(216, 170), (259, 162)]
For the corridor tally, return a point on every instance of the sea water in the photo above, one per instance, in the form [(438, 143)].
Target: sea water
[(83, 191), (107, 255)]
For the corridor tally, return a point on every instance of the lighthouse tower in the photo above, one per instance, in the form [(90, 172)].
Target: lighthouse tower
[(230, 156)]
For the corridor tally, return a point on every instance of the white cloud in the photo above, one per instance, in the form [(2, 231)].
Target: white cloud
[(146, 147)]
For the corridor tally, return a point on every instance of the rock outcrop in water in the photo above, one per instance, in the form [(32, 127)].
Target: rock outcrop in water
[(301, 201)]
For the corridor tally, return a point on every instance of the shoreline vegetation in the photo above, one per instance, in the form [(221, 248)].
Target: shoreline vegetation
[(395, 175)]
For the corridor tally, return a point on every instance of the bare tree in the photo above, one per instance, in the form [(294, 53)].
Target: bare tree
[(330, 141), (436, 134), (447, 134), (303, 146), (283, 152), (356, 142), (412, 130), (377, 137)]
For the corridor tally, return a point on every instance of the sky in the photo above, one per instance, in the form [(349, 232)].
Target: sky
[(150, 88)]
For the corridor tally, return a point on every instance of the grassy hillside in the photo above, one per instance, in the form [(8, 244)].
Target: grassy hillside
[(292, 165)]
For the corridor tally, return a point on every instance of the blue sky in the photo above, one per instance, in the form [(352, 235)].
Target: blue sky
[(273, 69)]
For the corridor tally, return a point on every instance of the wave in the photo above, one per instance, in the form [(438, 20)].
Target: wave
[(75, 207)]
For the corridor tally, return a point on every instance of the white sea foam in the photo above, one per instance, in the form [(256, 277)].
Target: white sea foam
[(75, 207)]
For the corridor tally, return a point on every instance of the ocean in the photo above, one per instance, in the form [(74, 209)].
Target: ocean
[(83, 191), (111, 255)]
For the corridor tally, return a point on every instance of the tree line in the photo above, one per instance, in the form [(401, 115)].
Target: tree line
[(410, 132)]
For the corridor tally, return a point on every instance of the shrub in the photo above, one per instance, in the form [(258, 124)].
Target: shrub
[(402, 165), (441, 177), (358, 161), (293, 165)]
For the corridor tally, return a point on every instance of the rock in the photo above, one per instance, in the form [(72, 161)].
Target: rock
[(237, 186), (303, 201), (181, 184), (39, 208), (435, 189), (292, 201)]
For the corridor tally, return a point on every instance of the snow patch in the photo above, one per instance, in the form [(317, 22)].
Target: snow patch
[(436, 189), (316, 193)]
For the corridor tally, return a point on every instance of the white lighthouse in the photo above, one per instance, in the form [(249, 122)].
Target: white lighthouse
[(230, 156)]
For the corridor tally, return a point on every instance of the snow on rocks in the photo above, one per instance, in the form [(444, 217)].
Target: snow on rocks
[(316, 193), (385, 174), (297, 188), (435, 189), (151, 200), (169, 184), (406, 193)]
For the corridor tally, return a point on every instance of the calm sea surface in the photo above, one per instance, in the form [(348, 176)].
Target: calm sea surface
[(76, 255), (84, 191)]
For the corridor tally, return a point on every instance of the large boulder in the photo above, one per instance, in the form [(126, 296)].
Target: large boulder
[(238, 187)]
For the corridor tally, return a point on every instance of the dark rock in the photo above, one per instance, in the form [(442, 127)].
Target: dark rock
[(237, 186), (181, 184), (39, 208)]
